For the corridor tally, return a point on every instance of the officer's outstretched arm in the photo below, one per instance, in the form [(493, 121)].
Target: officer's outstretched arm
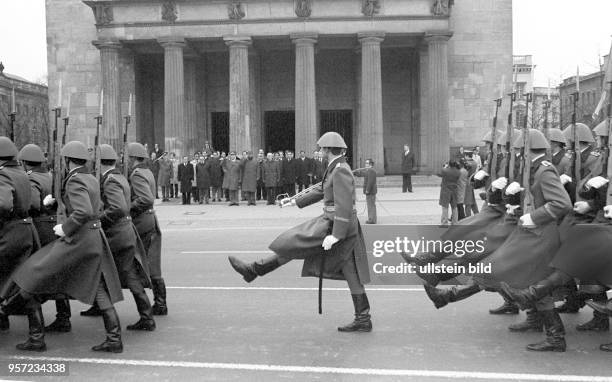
[(309, 198)]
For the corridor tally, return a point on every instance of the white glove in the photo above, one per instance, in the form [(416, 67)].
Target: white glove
[(514, 188), (582, 207), (48, 200), (480, 175), (597, 182), (526, 221), (510, 208), (287, 202), (565, 179), (328, 242), (59, 231), (499, 183), (608, 212)]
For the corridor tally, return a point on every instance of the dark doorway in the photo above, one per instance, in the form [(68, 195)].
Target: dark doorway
[(340, 121), (220, 130), (280, 130)]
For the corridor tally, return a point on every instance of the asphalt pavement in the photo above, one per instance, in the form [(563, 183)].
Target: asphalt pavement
[(221, 329)]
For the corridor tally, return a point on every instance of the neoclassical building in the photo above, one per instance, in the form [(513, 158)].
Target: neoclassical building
[(275, 74)]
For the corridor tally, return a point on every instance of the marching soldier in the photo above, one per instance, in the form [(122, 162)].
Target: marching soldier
[(559, 157), (17, 239), (43, 215), (79, 264), (122, 237), (142, 185), (332, 244), (531, 243)]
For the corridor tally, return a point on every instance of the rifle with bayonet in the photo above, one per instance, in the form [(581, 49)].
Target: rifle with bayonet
[(58, 166), (527, 202), (509, 141)]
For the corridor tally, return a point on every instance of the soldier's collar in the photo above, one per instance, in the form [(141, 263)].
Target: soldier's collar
[(335, 160), (78, 170), (533, 160)]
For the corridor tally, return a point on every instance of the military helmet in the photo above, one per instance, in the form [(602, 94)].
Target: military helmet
[(584, 133), (331, 139), (31, 153), (556, 135), (7, 147), (503, 137), (76, 150), (137, 150), (602, 130), (107, 152), (487, 137), (537, 140)]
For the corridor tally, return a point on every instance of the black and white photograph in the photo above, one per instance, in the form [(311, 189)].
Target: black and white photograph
[(306, 190)]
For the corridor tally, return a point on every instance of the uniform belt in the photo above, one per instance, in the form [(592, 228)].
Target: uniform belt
[(333, 209), (93, 224)]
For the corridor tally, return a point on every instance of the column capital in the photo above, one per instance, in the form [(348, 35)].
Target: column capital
[(371, 37), (107, 44), (437, 36), (171, 41), (304, 37), (237, 41)]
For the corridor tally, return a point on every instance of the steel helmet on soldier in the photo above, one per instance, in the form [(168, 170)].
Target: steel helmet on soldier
[(31, 153), (556, 135), (137, 150), (331, 139), (107, 152), (602, 130), (537, 140), (76, 150), (7, 148), (584, 133), (487, 137)]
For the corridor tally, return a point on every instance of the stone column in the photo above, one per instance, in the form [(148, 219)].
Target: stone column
[(240, 131), (257, 140), (371, 118), (425, 104), (358, 160), (111, 121), (191, 138), (174, 95), (305, 92), (438, 137)]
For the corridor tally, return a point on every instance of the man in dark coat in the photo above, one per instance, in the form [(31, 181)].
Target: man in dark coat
[(203, 178), (17, 239), (216, 177), (122, 237), (448, 192), (261, 186), (369, 189), (80, 263), (317, 167), (270, 177), (44, 218), (164, 176), (233, 173), (249, 177), (289, 173), (302, 171), (278, 160), (143, 215), (334, 236), (407, 169), (185, 176)]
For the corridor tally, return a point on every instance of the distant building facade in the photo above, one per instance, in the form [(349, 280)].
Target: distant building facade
[(31, 110), (276, 74)]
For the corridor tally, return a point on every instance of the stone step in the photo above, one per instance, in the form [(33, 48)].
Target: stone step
[(390, 181)]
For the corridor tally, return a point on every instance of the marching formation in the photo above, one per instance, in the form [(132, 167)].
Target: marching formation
[(71, 234)]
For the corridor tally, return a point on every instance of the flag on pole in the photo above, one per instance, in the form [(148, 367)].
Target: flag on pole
[(606, 81)]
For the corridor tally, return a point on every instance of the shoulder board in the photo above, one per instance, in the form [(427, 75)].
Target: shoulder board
[(546, 163), (343, 165), (29, 172), (595, 153), (568, 155)]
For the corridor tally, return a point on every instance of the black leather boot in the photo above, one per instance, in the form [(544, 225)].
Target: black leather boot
[(441, 297), (362, 321), (508, 307), (36, 323), (599, 323), (604, 307), (94, 311), (532, 322), (159, 297), (113, 343), (573, 302), (555, 333), (145, 310), (526, 298), (250, 271), (62, 318)]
